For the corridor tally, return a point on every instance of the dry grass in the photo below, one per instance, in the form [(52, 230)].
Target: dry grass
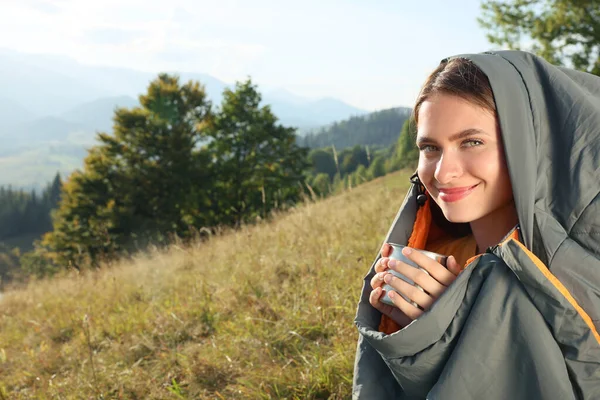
[(263, 312)]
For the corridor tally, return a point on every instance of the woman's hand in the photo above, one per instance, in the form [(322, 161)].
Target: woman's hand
[(381, 269), (434, 282)]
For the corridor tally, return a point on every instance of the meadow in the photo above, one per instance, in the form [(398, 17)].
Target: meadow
[(265, 311)]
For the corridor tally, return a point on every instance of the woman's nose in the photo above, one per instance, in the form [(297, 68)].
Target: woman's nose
[(448, 168)]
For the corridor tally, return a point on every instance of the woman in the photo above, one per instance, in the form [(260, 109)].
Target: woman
[(508, 185)]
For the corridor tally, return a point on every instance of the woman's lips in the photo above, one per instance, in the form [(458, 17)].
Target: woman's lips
[(450, 195)]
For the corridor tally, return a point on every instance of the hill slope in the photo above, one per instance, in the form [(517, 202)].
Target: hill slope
[(262, 312)]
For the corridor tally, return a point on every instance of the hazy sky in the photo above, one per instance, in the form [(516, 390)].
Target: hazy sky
[(372, 54)]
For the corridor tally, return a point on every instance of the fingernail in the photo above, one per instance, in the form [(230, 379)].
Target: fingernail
[(388, 278), (392, 294), (406, 251), (391, 263)]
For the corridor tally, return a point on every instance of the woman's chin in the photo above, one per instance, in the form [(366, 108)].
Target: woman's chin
[(458, 217)]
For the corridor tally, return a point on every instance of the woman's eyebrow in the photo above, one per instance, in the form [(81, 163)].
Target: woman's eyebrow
[(457, 136)]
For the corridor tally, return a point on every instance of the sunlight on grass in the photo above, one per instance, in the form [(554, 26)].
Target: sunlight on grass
[(263, 312)]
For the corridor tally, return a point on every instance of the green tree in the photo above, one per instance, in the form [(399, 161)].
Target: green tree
[(338, 184), (561, 31), (407, 153), (322, 161), (259, 165), (352, 158), (52, 193), (24, 214), (377, 167), (321, 184), (379, 128), (37, 262), (9, 263), (359, 176), (141, 182)]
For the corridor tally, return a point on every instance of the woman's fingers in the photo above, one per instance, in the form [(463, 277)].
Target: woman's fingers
[(374, 298), (453, 265), (431, 280), (393, 312), (377, 279), (420, 277), (386, 250), (432, 267), (382, 264), (407, 309), (415, 294)]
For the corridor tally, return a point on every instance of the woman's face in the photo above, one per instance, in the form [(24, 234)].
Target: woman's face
[(461, 159)]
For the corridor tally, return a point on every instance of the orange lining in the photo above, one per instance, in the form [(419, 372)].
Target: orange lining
[(561, 288), (418, 237), (513, 235)]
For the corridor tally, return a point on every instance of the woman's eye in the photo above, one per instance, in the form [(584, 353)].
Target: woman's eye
[(472, 143), (427, 148)]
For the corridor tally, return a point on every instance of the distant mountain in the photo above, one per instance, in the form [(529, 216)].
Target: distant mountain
[(42, 131), (12, 114), (282, 95), (53, 85), (380, 128), (40, 89), (312, 114), (97, 115), (52, 106)]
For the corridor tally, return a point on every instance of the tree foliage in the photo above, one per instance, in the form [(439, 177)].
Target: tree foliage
[(377, 167), (351, 159), (24, 217), (27, 213), (257, 161), (177, 166), (172, 167), (376, 129), (322, 161), (407, 153), (562, 31), (321, 184), (139, 183)]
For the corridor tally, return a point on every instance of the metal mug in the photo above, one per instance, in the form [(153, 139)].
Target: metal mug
[(397, 255)]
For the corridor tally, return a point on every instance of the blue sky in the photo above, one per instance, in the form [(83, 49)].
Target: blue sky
[(372, 54)]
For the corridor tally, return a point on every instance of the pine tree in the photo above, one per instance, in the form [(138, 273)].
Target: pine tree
[(407, 153), (140, 184), (257, 160)]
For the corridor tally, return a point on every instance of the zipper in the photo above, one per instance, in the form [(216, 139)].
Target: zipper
[(492, 249), (517, 228)]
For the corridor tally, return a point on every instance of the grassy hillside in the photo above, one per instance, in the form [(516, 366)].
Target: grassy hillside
[(263, 312)]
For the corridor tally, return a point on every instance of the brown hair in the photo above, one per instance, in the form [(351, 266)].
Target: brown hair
[(459, 77)]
